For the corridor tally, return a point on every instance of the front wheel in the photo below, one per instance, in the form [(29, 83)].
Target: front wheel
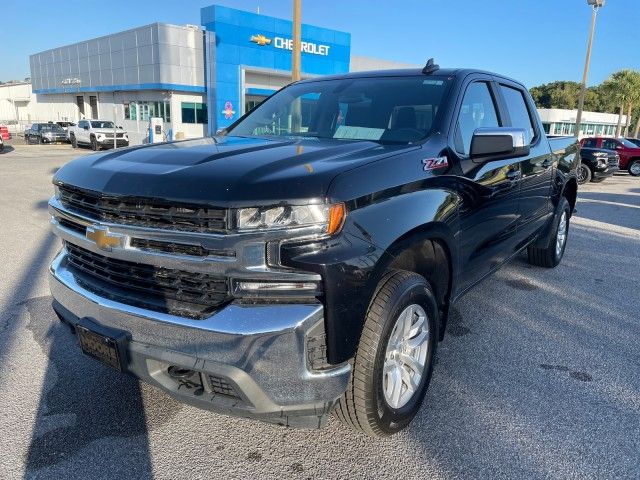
[(634, 168), (394, 361), (583, 173), (74, 142), (94, 144), (552, 255)]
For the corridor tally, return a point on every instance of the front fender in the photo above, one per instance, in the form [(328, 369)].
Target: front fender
[(352, 263)]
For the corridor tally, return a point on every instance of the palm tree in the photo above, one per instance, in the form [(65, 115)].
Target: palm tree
[(622, 88)]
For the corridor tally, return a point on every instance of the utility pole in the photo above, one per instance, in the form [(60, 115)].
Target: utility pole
[(595, 5), (296, 40), (296, 113)]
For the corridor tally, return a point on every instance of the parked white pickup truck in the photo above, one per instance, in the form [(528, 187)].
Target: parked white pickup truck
[(97, 134)]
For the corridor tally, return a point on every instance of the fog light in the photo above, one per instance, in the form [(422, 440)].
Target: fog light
[(275, 286)]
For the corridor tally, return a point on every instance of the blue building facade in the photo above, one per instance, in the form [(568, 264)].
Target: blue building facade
[(248, 57)]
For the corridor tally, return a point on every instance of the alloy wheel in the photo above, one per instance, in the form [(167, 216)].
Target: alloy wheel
[(406, 356)]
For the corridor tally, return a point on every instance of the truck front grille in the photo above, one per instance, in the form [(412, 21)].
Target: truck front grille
[(178, 292), (144, 212)]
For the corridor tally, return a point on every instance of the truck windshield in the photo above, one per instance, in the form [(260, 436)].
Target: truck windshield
[(48, 127), (384, 109), (99, 124)]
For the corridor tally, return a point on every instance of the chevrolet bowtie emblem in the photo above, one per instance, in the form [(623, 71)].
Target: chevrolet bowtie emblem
[(104, 239), (260, 40)]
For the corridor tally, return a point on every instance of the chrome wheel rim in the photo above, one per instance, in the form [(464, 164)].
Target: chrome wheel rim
[(406, 356), (635, 168), (561, 238), (581, 174)]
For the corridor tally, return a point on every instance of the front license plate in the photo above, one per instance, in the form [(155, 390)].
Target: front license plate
[(102, 346)]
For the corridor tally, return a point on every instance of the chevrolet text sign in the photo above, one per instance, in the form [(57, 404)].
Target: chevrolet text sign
[(305, 47)]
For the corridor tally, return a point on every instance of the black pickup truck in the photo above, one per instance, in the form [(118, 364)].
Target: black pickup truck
[(305, 261), (596, 164)]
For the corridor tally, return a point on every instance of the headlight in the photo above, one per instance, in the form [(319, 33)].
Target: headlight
[(329, 217), (56, 192)]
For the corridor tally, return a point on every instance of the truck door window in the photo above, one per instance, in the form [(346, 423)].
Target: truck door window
[(590, 143), (609, 144), (518, 111), (477, 110)]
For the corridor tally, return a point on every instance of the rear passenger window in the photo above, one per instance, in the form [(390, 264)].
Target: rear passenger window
[(477, 110), (518, 111)]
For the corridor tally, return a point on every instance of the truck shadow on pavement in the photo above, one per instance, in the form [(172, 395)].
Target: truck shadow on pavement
[(83, 401)]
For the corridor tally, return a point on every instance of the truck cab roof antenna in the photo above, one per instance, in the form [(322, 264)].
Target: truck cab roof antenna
[(430, 67)]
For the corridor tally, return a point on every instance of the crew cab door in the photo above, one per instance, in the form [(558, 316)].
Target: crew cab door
[(536, 168), (490, 189), (82, 135)]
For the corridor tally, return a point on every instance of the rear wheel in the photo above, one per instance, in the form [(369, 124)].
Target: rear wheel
[(583, 173), (552, 255), (634, 168), (394, 361)]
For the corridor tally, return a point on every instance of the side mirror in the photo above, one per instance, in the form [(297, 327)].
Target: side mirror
[(498, 142), (120, 127)]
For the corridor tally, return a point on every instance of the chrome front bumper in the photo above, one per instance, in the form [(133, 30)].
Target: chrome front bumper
[(262, 351)]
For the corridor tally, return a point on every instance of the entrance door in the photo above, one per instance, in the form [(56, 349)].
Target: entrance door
[(252, 101), (80, 103), (93, 103)]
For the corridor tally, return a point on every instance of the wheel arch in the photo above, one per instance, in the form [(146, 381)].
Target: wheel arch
[(428, 250), (570, 192)]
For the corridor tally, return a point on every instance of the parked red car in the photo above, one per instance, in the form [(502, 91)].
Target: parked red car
[(629, 153)]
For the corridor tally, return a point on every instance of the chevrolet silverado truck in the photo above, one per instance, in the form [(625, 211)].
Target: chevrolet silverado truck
[(97, 134), (304, 261), (596, 165)]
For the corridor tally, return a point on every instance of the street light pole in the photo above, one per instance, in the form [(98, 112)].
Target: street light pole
[(595, 5)]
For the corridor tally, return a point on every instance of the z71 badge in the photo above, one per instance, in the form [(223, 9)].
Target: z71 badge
[(435, 163)]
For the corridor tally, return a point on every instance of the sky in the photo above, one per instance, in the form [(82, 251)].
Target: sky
[(534, 41)]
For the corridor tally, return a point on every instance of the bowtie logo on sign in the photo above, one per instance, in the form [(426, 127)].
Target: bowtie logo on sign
[(260, 40), (287, 44)]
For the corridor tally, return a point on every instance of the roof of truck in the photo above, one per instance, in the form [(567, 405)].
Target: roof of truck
[(447, 72)]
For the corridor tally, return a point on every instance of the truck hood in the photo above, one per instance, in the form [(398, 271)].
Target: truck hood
[(224, 171), (105, 131)]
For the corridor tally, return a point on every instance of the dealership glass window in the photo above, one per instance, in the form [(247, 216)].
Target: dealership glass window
[(145, 110), (193, 112)]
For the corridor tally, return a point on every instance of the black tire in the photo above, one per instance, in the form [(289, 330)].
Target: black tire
[(74, 142), (94, 144), (41, 140), (550, 257), (26, 139), (634, 168), (363, 406), (583, 174)]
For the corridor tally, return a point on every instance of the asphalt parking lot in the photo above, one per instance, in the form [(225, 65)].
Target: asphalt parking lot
[(538, 377)]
